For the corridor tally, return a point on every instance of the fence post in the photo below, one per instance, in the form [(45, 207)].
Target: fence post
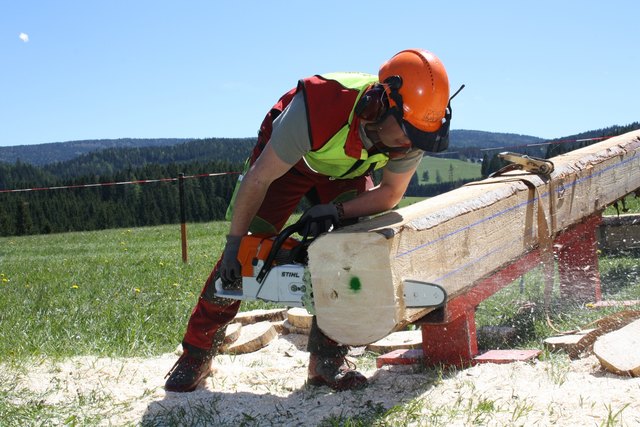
[(183, 220)]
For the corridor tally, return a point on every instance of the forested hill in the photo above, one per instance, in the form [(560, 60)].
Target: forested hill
[(108, 161), (62, 152), (42, 154), (479, 139), (76, 155), (68, 204)]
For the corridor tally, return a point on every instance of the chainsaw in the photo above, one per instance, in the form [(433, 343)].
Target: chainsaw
[(274, 269)]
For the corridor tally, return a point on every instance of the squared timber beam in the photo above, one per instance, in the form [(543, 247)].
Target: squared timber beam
[(458, 238)]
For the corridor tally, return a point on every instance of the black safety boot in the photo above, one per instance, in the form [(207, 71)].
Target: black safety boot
[(335, 372), (189, 371)]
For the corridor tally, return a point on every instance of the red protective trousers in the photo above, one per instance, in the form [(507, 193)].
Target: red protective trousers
[(212, 313)]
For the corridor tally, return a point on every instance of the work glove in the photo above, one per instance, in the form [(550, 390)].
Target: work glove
[(230, 268), (320, 219)]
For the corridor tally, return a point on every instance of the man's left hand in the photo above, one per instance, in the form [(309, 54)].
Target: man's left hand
[(320, 219)]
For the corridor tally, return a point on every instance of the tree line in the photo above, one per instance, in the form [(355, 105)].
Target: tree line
[(117, 206), (206, 199)]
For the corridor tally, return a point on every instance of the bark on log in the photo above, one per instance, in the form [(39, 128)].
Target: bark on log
[(260, 315), (458, 238)]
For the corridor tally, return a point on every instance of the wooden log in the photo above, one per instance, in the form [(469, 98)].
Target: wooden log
[(288, 328), (232, 332), (255, 316), (609, 323), (571, 344), (252, 337), (396, 341), (458, 238), (299, 318), (618, 350)]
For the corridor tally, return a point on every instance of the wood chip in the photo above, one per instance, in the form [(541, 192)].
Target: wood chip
[(252, 338), (299, 318), (618, 350), (255, 316), (294, 330), (397, 341), (232, 333), (569, 343)]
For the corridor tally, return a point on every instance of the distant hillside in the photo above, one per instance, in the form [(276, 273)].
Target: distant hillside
[(111, 160), (475, 138), (56, 152), (42, 154), (101, 157)]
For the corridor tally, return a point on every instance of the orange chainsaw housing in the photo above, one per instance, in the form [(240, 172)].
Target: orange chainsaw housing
[(255, 247)]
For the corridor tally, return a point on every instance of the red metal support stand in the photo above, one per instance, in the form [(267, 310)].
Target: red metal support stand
[(449, 334), (577, 252)]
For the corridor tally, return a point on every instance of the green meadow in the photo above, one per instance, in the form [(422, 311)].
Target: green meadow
[(119, 292), (127, 292), (447, 170)]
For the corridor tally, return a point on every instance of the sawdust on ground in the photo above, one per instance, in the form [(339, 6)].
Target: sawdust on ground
[(267, 387)]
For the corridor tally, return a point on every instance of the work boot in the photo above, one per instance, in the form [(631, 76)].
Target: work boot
[(335, 372), (188, 372)]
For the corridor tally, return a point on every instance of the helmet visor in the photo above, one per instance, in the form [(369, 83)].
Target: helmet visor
[(433, 142)]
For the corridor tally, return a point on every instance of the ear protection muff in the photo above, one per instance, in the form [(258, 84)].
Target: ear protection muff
[(373, 104)]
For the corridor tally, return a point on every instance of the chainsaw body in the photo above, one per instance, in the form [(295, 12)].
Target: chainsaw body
[(283, 281), (274, 268)]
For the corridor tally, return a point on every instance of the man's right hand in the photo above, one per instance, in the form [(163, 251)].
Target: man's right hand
[(230, 268)]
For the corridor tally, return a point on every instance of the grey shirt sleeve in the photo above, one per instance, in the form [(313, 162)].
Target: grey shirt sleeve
[(406, 163), (290, 134)]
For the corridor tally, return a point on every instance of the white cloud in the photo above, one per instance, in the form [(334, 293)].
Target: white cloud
[(24, 37)]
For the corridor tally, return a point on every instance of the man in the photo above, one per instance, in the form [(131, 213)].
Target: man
[(321, 141)]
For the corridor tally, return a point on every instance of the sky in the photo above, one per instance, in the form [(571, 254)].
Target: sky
[(74, 70)]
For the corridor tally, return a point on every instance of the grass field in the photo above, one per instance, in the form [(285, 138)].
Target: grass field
[(127, 293), (447, 169), (116, 292), (124, 292)]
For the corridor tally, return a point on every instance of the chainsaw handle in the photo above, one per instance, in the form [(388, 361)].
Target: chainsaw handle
[(277, 244)]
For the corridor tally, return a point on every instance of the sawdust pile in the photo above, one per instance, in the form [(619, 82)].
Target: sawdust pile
[(267, 387)]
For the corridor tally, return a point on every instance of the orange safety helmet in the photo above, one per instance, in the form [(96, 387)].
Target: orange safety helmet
[(417, 87)]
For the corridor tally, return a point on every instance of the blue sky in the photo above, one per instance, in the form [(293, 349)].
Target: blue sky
[(72, 70)]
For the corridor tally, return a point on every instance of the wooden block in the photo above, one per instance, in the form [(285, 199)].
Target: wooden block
[(507, 356), (397, 341), (299, 318), (279, 327), (294, 330), (400, 357), (604, 325), (255, 316), (568, 343), (232, 333), (252, 337), (602, 304), (458, 238), (618, 350)]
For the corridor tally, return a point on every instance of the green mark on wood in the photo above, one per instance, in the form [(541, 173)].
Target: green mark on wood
[(354, 284)]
